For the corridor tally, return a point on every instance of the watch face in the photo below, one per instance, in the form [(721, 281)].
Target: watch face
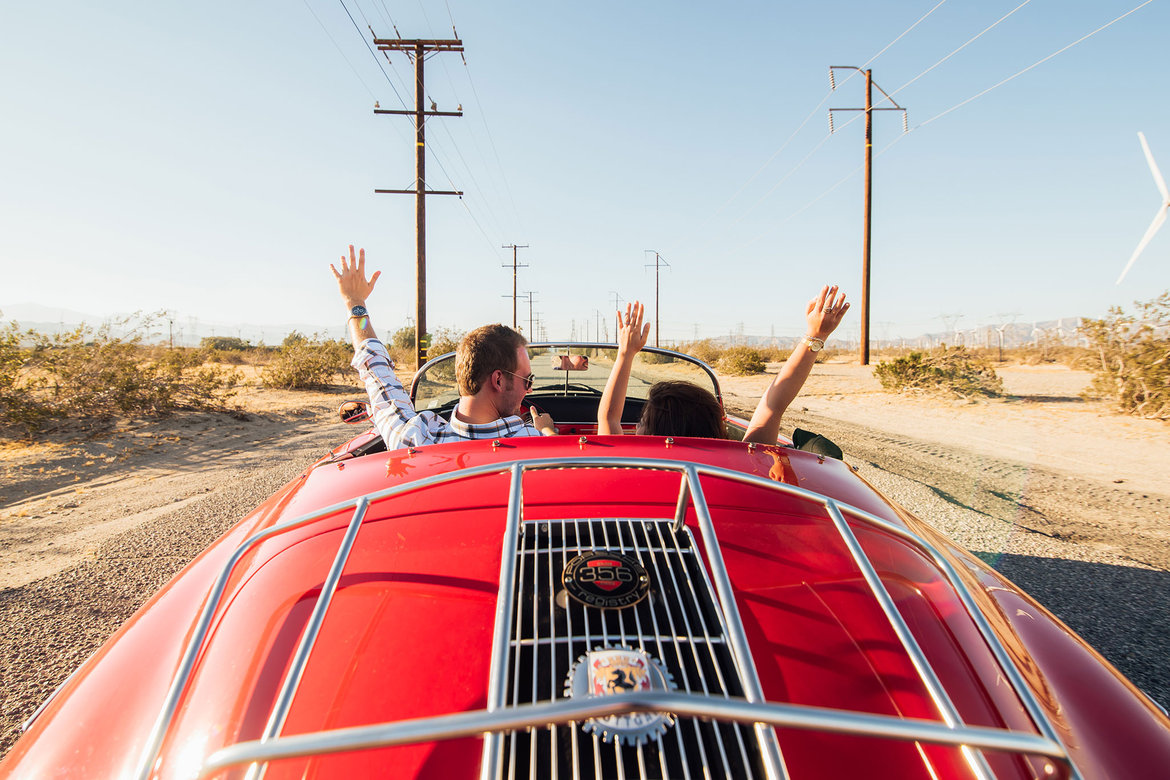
[(814, 345), (358, 311)]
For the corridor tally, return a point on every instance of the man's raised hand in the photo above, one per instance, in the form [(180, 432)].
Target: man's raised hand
[(351, 280)]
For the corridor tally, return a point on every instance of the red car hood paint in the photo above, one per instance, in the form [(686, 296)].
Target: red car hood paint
[(409, 632)]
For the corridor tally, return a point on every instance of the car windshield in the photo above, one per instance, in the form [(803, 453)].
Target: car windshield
[(435, 386)]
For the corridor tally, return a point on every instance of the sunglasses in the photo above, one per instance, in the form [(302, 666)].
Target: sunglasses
[(528, 380)]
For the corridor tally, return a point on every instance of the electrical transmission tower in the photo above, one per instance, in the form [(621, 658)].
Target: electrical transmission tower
[(869, 109), (418, 50), (515, 266)]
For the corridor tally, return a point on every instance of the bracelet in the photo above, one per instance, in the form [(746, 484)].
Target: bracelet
[(814, 344)]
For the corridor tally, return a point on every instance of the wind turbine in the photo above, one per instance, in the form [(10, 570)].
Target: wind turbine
[(1160, 217)]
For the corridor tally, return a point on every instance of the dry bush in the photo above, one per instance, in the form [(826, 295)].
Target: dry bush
[(950, 371), (706, 350), (302, 363), (97, 374), (1132, 362), (654, 358), (772, 354), (741, 361)]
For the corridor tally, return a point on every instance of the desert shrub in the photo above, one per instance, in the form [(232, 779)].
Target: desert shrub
[(1132, 363), (231, 350), (772, 354), (444, 341), (948, 371), (403, 338), (303, 362), (706, 350), (225, 343), (741, 361), (653, 358), (94, 374), (19, 405)]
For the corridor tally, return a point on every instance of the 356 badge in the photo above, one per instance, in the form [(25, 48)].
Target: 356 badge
[(604, 579)]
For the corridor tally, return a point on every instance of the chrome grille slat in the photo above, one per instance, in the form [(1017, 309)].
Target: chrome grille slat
[(678, 624)]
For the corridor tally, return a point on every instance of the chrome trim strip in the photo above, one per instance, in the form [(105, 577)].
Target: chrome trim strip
[(680, 509), (736, 635), (292, 679), (465, 724), (942, 702), (497, 695)]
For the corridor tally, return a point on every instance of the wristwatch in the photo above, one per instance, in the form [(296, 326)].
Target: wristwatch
[(358, 311), (814, 344)]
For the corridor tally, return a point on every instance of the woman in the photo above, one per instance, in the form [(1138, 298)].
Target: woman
[(682, 409)]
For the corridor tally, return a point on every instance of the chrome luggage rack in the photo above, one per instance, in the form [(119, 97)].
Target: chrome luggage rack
[(498, 718)]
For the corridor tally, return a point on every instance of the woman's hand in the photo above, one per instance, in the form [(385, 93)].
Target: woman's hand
[(825, 312), (631, 333)]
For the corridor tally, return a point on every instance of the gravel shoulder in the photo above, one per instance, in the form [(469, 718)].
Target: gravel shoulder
[(1065, 498)]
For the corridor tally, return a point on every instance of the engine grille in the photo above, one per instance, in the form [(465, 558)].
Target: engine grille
[(678, 623)]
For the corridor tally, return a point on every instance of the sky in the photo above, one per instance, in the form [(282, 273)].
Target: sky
[(211, 159)]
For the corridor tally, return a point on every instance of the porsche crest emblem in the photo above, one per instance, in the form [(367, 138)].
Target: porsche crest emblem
[(612, 671), (607, 580)]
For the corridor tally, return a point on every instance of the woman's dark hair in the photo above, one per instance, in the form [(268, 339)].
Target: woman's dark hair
[(682, 409)]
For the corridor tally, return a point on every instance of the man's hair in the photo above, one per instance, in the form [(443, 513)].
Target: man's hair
[(682, 409), (483, 351)]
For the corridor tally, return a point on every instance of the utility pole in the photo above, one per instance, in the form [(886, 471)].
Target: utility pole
[(597, 313), (515, 266), (659, 262), (869, 109), (528, 294), (417, 49)]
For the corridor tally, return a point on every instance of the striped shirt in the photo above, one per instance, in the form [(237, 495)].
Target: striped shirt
[(396, 419)]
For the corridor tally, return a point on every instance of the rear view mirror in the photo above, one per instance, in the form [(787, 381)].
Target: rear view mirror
[(354, 412), (570, 363)]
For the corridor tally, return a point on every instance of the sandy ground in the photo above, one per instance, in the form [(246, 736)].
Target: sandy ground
[(1066, 497)]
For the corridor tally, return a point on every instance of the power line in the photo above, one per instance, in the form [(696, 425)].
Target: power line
[(372, 54), (1035, 64), (983, 32), (339, 50)]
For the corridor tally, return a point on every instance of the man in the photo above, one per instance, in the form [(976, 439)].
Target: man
[(492, 370)]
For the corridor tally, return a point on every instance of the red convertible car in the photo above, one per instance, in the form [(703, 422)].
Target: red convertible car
[(588, 606)]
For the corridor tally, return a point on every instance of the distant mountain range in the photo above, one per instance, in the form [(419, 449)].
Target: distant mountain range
[(185, 331)]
